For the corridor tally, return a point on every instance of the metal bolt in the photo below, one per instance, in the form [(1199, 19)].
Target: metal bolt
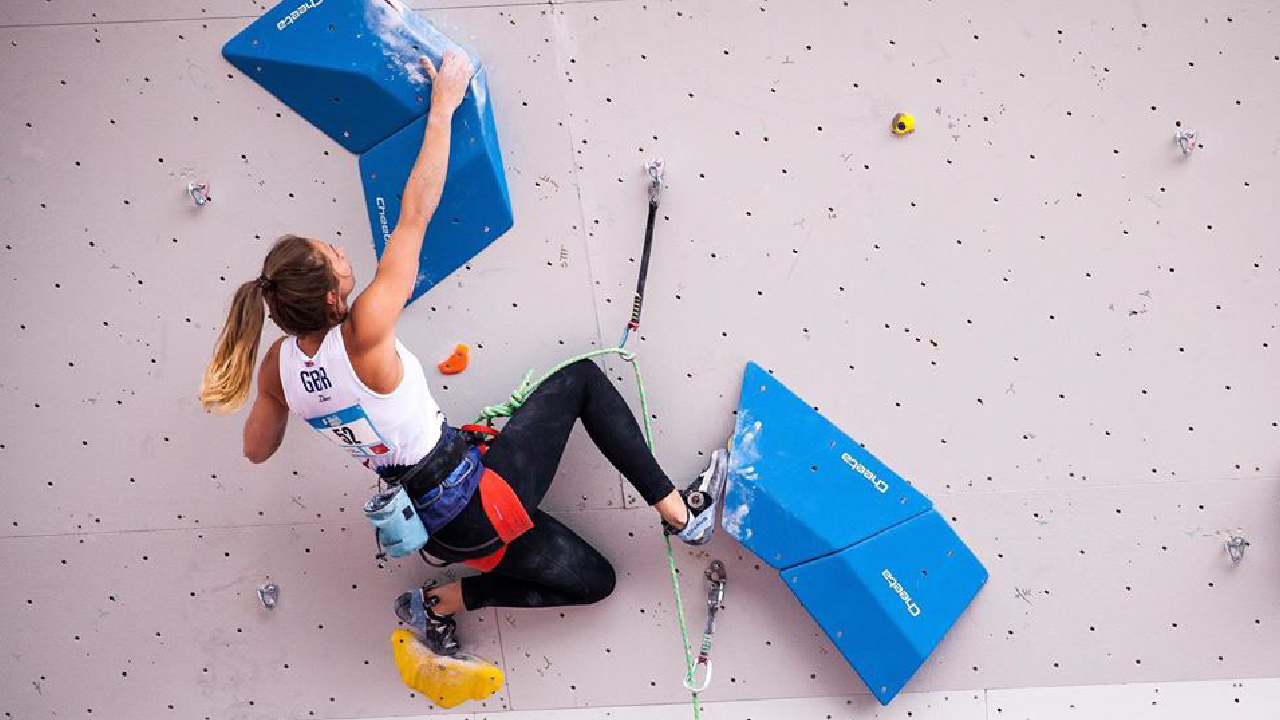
[(1186, 140), (1235, 548), (268, 594), (657, 170), (199, 191)]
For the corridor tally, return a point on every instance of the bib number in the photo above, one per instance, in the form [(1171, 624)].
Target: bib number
[(351, 430)]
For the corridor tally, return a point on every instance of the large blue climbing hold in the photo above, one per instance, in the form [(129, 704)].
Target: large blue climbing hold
[(790, 468), (887, 602), (474, 209), (352, 68), (349, 67), (877, 568)]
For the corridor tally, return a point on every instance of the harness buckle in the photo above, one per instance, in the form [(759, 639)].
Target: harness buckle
[(478, 435)]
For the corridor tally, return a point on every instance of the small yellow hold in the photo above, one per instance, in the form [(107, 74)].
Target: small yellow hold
[(446, 681), (904, 123)]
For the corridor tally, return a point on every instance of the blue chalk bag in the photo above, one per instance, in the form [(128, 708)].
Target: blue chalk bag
[(396, 525)]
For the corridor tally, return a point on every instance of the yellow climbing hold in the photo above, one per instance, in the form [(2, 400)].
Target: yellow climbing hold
[(903, 123), (447, 681)]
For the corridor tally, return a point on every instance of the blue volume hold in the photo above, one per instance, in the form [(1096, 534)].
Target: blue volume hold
[(798, 487), (349, 67), (887, 602), (474, 208), (352, 68), (865, 553)]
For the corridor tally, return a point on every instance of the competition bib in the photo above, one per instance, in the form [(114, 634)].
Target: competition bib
[(351, 429)]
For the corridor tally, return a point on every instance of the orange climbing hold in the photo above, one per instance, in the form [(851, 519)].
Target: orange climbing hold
[(457, 362)]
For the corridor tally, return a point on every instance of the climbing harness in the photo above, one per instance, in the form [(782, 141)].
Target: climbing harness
[(421, 500), (501, 505), (507, 515), (717, 576)]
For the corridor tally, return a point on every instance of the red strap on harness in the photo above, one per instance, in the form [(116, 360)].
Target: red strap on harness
[(482, 429), (506, 513), (488, 562), (502, 506)]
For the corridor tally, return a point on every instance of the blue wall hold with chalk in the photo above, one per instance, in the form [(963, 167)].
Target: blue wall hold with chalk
[(877, 568), (352, 69)]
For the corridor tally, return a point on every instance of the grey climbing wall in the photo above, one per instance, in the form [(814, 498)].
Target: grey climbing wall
[(1035, 308)]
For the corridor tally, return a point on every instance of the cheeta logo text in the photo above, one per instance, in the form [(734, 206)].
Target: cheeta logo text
[(862, 470), (382, 219), (895, 586), (292, 17)]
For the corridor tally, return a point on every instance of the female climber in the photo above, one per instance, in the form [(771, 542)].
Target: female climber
[(342, 368)]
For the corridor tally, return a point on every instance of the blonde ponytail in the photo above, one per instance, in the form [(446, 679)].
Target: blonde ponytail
[(295, 283), (229, 377)]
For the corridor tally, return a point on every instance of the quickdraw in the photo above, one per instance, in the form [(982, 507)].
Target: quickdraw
[(656, 170), (717, 576)]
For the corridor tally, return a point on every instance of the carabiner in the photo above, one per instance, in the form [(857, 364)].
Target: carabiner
[(717, 576)]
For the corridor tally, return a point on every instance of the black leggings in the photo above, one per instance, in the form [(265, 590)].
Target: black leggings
[(550, 565)]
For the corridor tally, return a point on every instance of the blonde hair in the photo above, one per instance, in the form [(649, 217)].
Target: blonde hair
[(295, 283)]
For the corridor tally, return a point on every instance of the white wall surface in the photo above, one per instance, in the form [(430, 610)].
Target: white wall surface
[(1034, 308)]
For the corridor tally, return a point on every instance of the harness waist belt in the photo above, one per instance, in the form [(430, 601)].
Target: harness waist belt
[(433, 469)]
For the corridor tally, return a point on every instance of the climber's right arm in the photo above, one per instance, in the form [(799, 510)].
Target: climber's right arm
[(375, 311)]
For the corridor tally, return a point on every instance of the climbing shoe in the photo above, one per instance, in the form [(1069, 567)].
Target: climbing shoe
[(437, 632), (701, 498)]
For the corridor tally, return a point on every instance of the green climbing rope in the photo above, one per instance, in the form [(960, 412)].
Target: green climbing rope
[(522, 393)]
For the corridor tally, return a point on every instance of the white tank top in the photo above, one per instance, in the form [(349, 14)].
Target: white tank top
[(398, 428)]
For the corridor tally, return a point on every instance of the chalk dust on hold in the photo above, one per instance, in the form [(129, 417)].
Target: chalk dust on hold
[(742, 480), (406, 36)]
